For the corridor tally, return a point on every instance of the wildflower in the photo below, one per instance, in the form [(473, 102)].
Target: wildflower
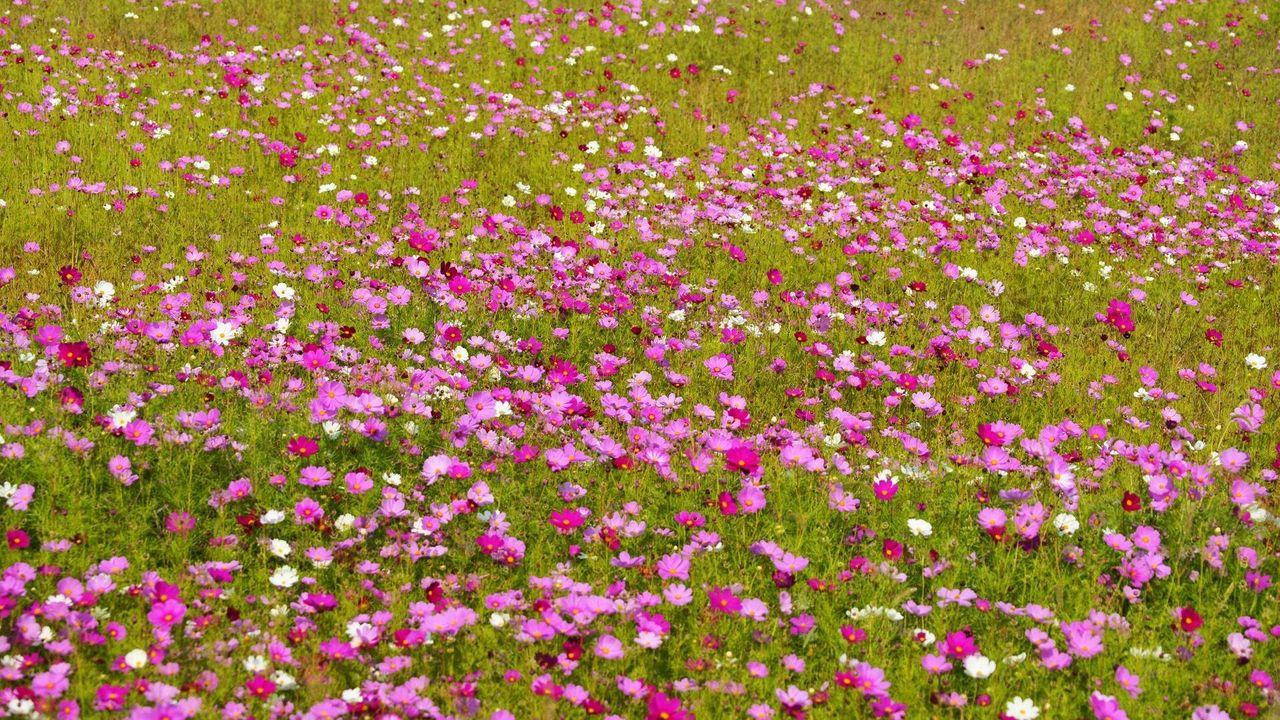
[(1021, 708), (920, 528), (17, 539), (1189, 620), (136, 659), (75, 354), (891, 549), (663, 707), (180, 522), (609, 647), (303, 446), (1129, 681), (979, 666), (1131, 502), (284, 577), (259, 686), (1066, 524), (742, 458), (728, 505), (884, 489), (959, 645), (1106, 707), (723, 600), (751, 499), (870, 680)]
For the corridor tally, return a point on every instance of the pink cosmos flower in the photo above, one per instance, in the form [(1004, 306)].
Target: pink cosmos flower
[(751, 499), (723, 600), (1106, 707), (742, 458)]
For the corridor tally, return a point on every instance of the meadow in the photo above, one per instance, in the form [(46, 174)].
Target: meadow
[(751, 359)]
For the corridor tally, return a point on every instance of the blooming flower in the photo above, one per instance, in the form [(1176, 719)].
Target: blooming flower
[(1021, 708), (979, 666)]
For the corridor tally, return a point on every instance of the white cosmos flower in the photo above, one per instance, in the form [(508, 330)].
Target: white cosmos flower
[(1066, 523), (1022, 709), (979, 666), (1254, 361), (272, 517), (136, 659), (344, 522), (280, 548), (120, 417), (223, 333), (284, 577), (920, 528)]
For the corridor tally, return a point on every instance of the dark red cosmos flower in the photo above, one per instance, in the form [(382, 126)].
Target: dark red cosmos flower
[(728, 506), (17, 539), (1189, 620), (1048, 349), (69, 274), (572, 649), (891, 549), (303, 446), (1131, 502), (75, 354)]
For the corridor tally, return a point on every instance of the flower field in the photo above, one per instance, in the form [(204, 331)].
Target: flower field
[(511, 359)]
